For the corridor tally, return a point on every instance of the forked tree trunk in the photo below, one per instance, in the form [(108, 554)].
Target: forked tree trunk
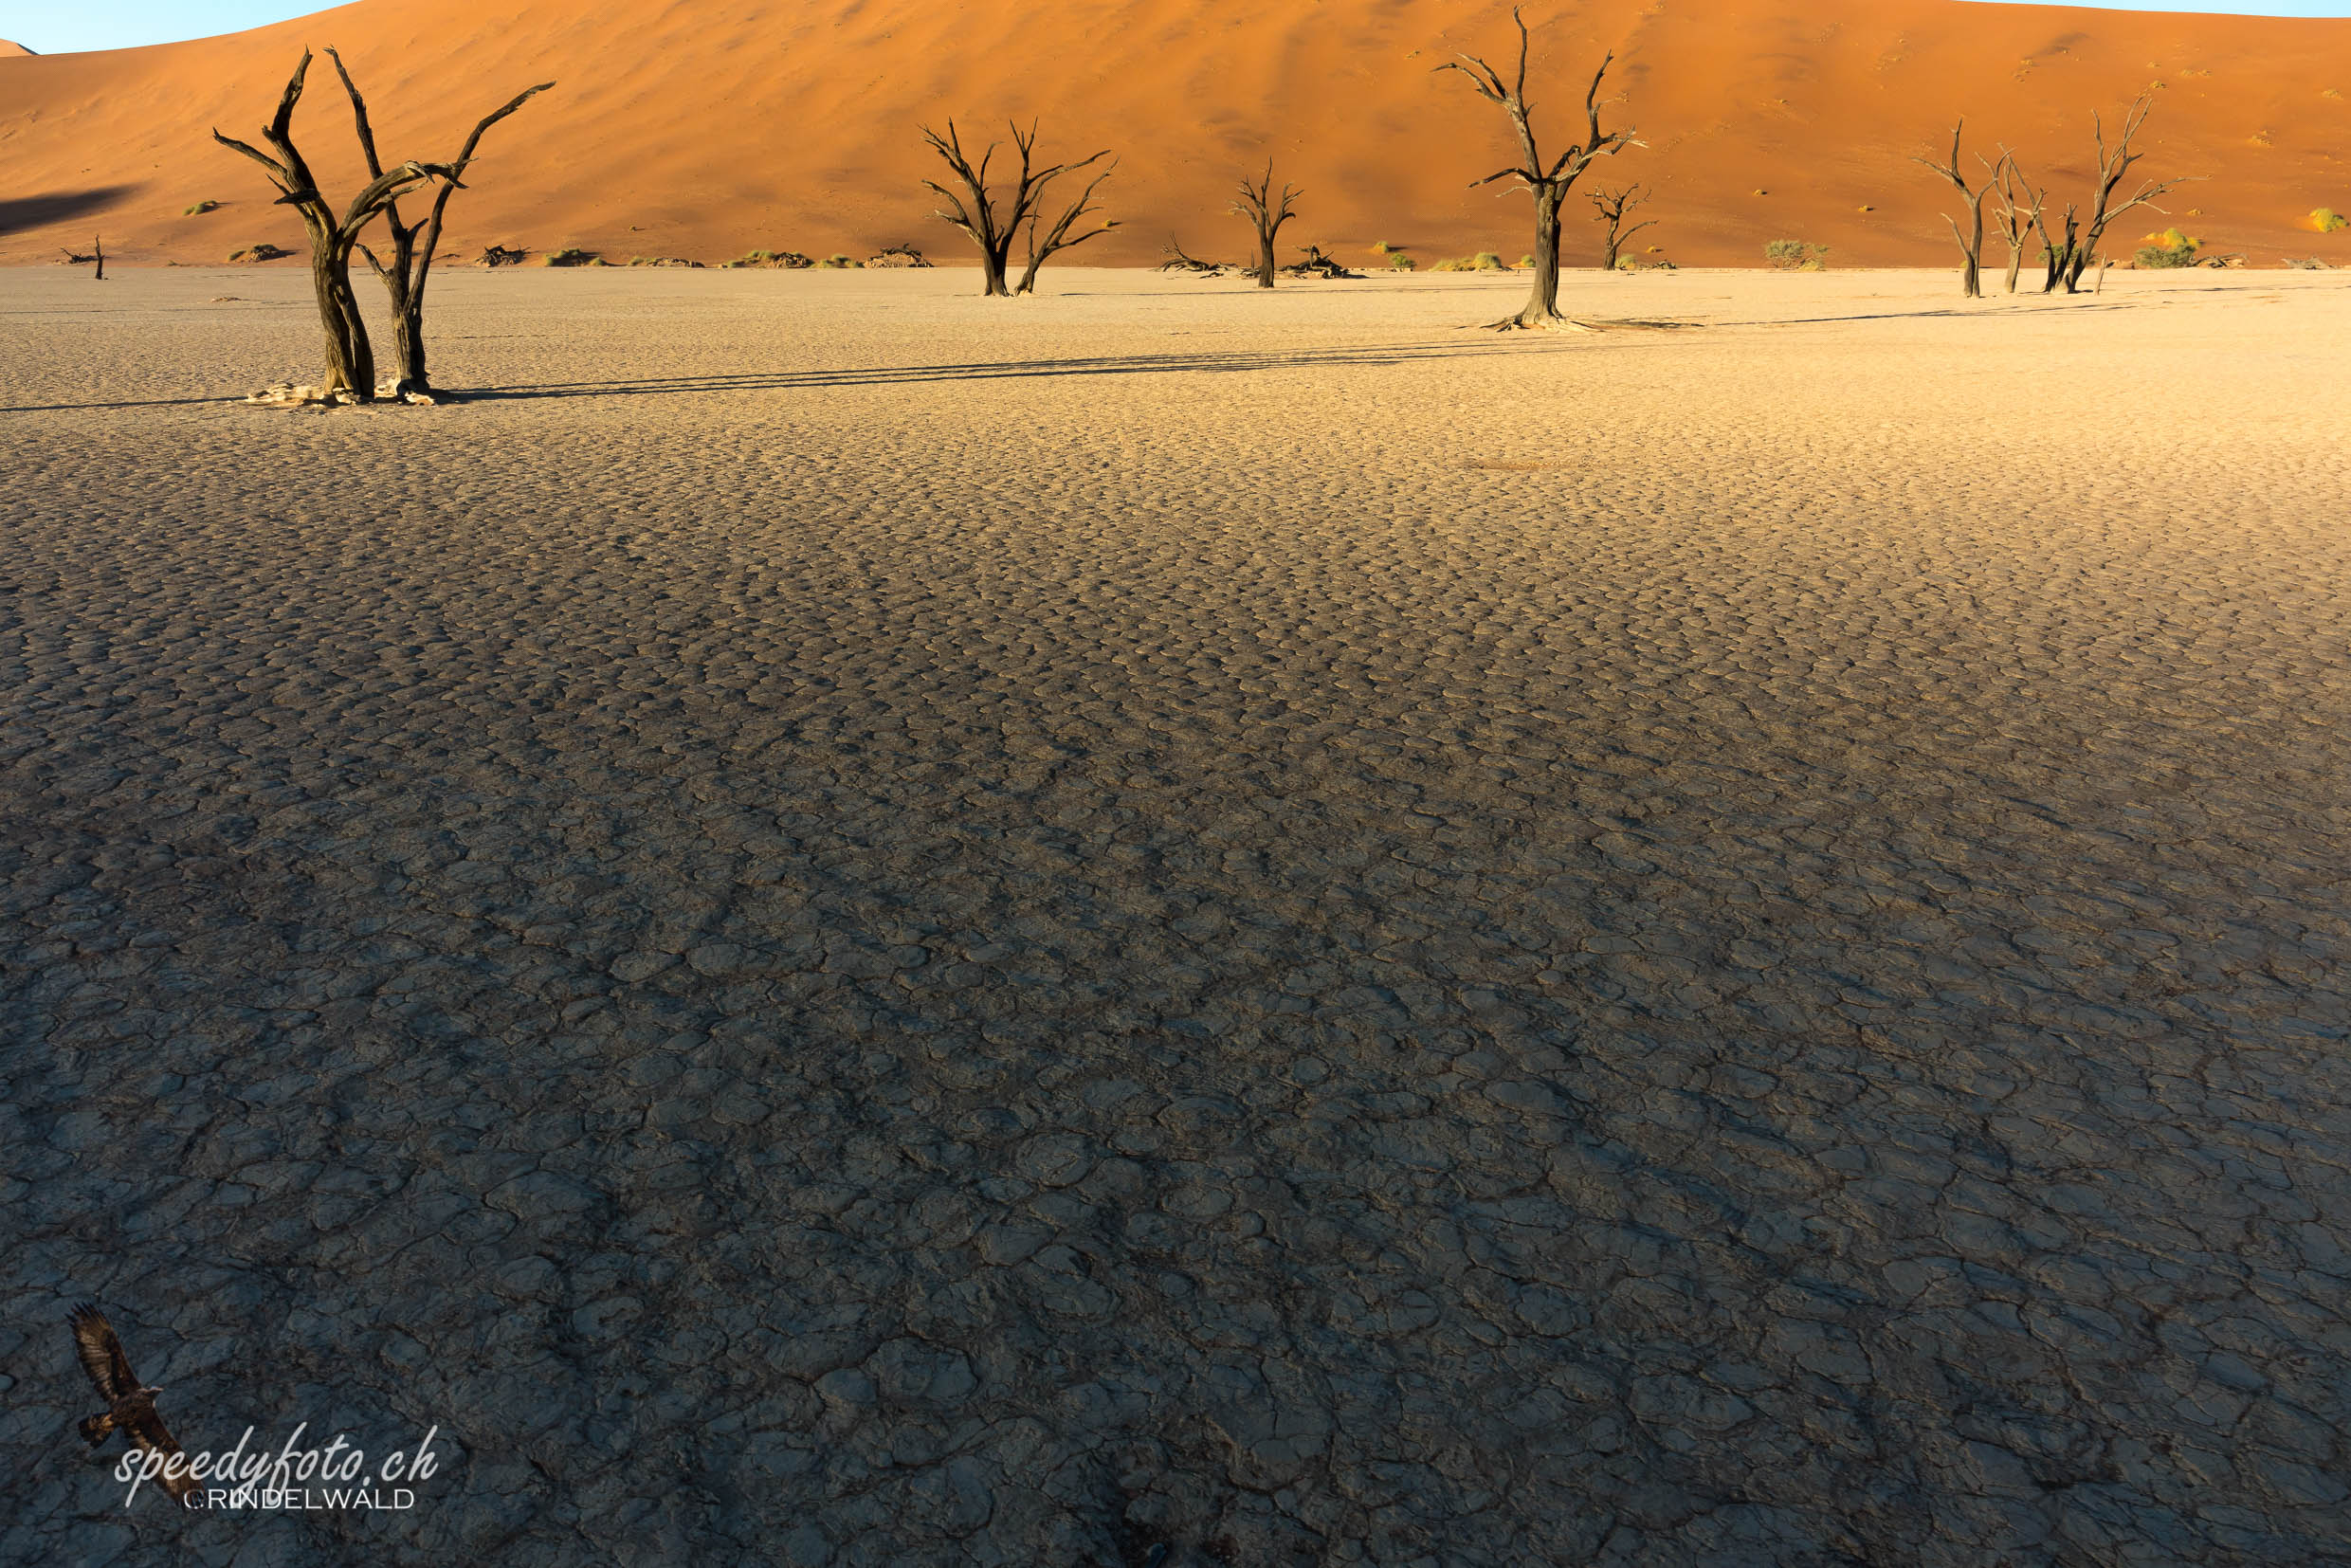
[(350, 359), (994, 264)]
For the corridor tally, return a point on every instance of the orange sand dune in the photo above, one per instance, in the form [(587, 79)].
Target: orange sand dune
[(702, 128)]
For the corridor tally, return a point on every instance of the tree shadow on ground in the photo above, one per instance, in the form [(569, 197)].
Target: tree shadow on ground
[(24, 212), (904, 375), (2016, 303)]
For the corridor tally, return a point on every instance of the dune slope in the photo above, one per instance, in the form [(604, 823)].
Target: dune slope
[(705, 127)]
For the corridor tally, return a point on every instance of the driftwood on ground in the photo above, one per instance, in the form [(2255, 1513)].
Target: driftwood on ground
[(1174, 259), (1319, 265)]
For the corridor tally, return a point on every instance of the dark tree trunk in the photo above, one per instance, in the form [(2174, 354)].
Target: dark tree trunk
[(2059, 257), (1265, 259), (100, 242), (1542, 304), (1971, 280), (407, 291), (350, 357), (992, 265)]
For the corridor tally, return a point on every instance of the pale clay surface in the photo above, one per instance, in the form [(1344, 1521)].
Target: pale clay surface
[(860, 926)]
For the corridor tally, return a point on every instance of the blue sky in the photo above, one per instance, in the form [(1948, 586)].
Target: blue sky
[(51, 27)]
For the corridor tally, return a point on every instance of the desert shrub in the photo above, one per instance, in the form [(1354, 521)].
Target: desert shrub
[(789, 258), (1795, 256), (1384, 248), (200, 207), (838, 263), (1398, 262), (2326, 220), (263, 253), (1527, 260), (2167, 250), (1486, 260), (570, 256)]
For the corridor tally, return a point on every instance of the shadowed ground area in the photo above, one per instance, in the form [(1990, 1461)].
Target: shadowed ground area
[(32, 211), (1378, 946)]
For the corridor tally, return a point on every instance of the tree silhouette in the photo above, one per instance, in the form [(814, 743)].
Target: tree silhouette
[(994, 229), (413, 244), (1610, 207), (349, 358), (1267, 213), (1548, 183)]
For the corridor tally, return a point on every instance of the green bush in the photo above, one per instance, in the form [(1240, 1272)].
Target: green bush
[(838, 263), (570, 256), (2167, 250), (2326, 220), (1398, 262), (1795, 256), (1486, 260), (200, 207)]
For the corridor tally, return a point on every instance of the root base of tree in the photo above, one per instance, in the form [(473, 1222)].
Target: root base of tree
[(1540, 323), (286, 394)]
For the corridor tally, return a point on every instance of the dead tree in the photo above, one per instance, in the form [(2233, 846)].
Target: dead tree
[(1548, 183), (2020, 215), (1267, 213), (976, 211), (1610, 207), (413, 244), (1045, 239), (349, 358), (100, 242), (1971, 238), (2068, 261)]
